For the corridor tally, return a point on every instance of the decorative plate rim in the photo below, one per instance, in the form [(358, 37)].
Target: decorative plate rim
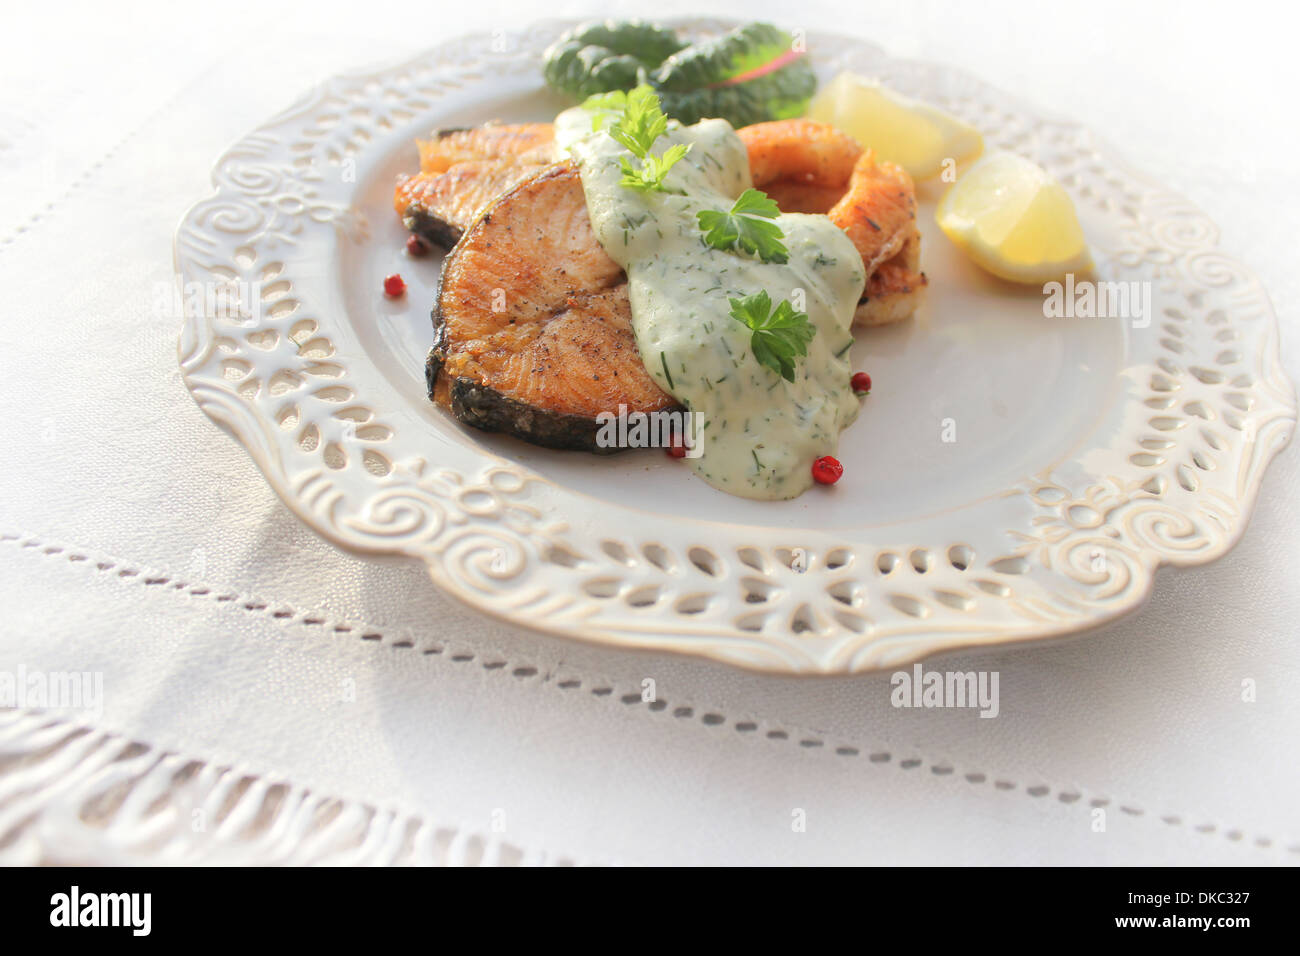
[(1204, 417)]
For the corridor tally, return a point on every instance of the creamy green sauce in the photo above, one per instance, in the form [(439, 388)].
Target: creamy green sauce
[(758, 434)]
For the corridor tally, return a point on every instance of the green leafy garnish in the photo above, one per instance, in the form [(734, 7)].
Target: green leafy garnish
[(779, 335), (653, 169), (603, 55), (640, 122), (753, 73), (747, 226), (605, 107)]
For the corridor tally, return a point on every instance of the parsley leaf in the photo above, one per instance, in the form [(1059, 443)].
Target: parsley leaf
[(605, 107), (747, 226), (635, 120), (642, 122), (753, 202), (653, 169), (779, 335)]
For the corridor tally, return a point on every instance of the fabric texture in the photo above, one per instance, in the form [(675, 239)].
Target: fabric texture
[(138, 541)]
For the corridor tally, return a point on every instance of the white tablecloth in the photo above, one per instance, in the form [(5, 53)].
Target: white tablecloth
[(267, 697)]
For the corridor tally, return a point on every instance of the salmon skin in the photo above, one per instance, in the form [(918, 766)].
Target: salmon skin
[(532, 325), (463, 170), (440, 206)]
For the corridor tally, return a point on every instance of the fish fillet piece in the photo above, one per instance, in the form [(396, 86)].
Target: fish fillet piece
[(893, 291), (878, 212), (805, 166), (532, 325), (440, 206), (523, 144), (812, 167), (463, 170), (799, 151)]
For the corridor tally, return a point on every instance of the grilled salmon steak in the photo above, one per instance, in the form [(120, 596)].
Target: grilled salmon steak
[(532, 326), (804, 165), (463, 170)]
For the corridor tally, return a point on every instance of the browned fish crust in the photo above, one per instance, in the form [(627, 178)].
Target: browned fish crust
[(463, 170), (812, 167), (440, 206), (521, 143)]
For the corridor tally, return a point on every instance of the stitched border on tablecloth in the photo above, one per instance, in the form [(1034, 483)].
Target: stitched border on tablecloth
[(87, 173), (605, 688)]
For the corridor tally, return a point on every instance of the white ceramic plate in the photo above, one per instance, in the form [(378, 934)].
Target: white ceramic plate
[(1011, 476)]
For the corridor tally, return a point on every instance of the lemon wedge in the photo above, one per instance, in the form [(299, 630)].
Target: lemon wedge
[(1013, 219), (912, 134)]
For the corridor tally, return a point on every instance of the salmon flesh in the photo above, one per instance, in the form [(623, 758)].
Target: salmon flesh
[(532, 326)]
